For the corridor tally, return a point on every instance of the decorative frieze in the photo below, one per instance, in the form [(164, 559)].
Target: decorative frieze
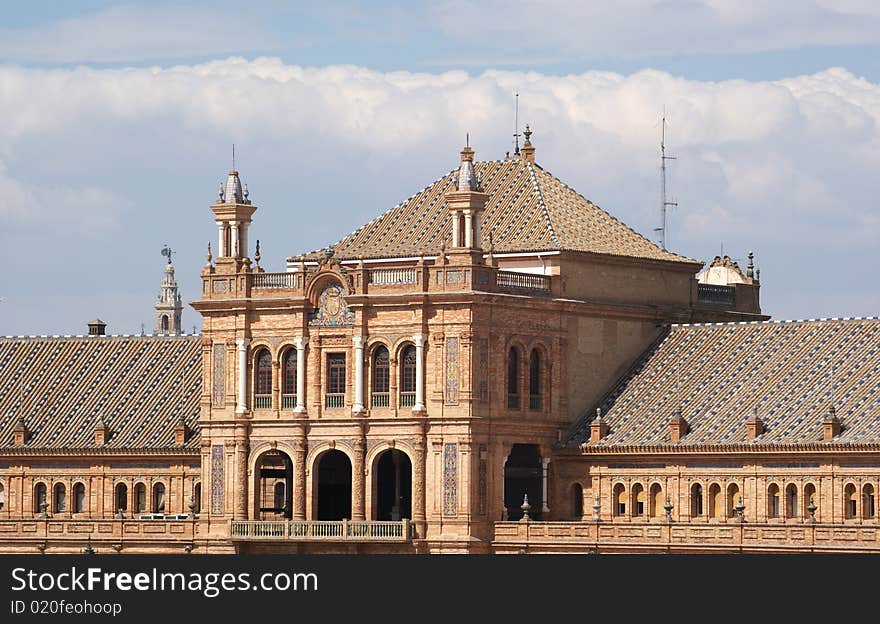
[(450, 479)]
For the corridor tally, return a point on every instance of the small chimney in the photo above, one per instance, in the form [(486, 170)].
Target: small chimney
[(102, 432), (678, 427), (830, 425), (598, 428), (19, 433), (754, 426), (528, 150), (97, 327), (181, 432)]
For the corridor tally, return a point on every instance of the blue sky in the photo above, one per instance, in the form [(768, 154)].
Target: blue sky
[(119, 119)]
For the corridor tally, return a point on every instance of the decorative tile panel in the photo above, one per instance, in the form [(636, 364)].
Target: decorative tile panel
[(450, 479), (452, 350), (481, 480), (217, 479), (483, 370), (218, 386)]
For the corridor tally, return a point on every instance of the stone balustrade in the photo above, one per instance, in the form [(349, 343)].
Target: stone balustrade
[(322, 530)]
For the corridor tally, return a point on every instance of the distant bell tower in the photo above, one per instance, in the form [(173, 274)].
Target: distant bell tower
[(168, 305)]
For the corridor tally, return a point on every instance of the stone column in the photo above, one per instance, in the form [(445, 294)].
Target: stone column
[(503, 489), (241, 496), (241, 345), (456, 240), (358, 407), (357, 479), (233, 247), (545, 508), (242, 240), (299, 478), (300, 342), (419, 518), (221, 242), (419, 406), (468, 230)]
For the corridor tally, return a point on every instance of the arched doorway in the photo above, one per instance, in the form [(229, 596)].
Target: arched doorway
[(274, 474), (334, 486), (522, 475), (393, 486)]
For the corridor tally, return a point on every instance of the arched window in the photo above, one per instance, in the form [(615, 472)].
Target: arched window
[(288, 377), (279, 495), (716, 501), (164, 322), (535, 380), (618, 500), (638, 500), (140, 498), (696, 499), (197, 498), (60, 498), (655, 501), (159, 498), (577, 502), (791, 501), (263, 385), (732, 499), (408, 377), (849, 501), (513, 378), (809, 499), (2, 497), (773, 501), (79, 498), (121, 497), (868, 501), (381, 377), (40, 502)]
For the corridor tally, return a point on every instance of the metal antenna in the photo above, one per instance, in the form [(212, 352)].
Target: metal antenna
[(664, 204), (516, 124), (233, 156)]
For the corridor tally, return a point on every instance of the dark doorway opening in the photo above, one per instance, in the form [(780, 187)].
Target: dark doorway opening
[(523, 475), (334, 486), (393, 486), (275, 472)]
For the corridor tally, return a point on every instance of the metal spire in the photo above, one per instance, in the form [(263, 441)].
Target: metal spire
[(664, 204), (516, 126)]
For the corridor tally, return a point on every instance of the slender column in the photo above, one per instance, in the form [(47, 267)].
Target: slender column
[(242, 239), (419, 339), (241, 496), (300, 342), (456, 239), (221, 244), (299, 478), (358, 407), (241, 345), (234, 247), (468, 230), (545, 507), (503, 489), (419, 518), (357, 480)]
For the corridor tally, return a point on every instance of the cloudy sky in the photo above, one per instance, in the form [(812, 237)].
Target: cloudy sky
[(119, 119)]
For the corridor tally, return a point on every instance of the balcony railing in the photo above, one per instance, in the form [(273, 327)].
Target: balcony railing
[(535, 402), (513, 401), (716, 294), (263, 401), (390, 277), (288, 401), (334, 401), (523, 281), (380, 399), (323, 530), (407, 399), (274, 280)]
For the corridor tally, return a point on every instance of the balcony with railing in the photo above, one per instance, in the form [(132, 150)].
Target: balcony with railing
[(275, 280), (323, 530), (407, 399), (523, 282), (288, 401), (334, 401), (392, 276), (262, 401), (380, 399)]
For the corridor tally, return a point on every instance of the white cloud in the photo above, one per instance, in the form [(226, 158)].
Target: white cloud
[(788, 166)]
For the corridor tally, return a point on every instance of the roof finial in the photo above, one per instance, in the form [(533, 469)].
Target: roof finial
[(527, 134), (467, 139), (257, 254), (750, 268), (209, 257), (528, 150), (166, 251), (516, 126), (233, 156)]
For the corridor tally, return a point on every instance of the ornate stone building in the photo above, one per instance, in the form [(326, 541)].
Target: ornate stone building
[(494, 365)]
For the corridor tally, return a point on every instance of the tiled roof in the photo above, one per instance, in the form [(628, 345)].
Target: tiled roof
[(60, 386), (528, 210), (719, 373)]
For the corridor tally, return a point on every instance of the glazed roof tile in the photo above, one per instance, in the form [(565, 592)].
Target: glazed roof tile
[(139, 386)]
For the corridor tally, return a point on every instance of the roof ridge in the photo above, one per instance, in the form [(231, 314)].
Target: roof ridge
[(780, 321), (541, 203), (90, 337)]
